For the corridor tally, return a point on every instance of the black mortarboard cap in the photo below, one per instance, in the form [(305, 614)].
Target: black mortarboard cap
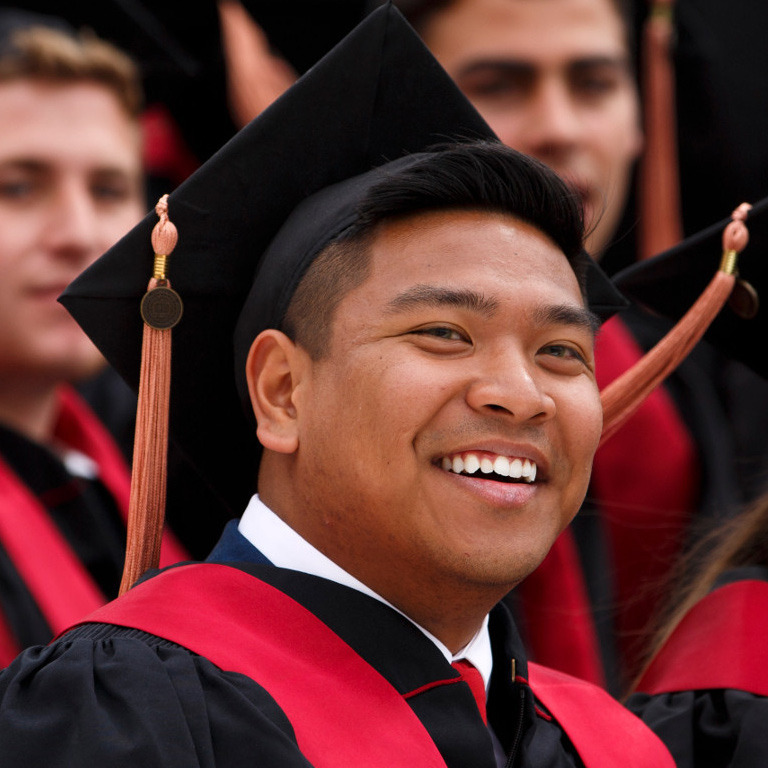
[(669, 284), (379, 95)]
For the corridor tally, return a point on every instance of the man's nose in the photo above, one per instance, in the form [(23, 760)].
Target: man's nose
[(555, 125), (511, 384), (73, 222)]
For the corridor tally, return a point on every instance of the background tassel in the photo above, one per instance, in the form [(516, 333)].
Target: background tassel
[(624, 395), (161, 310), (659, 188), (255, 77)]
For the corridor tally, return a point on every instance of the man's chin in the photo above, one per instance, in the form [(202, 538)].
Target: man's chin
[(81, 368)]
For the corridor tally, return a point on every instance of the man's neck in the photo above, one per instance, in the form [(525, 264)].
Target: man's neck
[(452, 625), (29, 408)]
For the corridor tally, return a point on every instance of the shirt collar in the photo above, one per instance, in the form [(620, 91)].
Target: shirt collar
[(283, 547)]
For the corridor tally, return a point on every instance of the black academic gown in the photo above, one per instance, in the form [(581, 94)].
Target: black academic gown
[(717, 727), (103, 695)]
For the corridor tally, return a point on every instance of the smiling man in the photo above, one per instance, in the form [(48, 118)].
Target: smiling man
[(413, 346), (460, 386)]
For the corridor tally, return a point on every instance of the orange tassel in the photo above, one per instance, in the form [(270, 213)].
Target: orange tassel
[(623, 396), (161, 310), (255, 77), (659, 189)]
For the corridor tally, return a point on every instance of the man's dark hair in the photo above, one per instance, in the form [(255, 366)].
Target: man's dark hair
[(481, 176)]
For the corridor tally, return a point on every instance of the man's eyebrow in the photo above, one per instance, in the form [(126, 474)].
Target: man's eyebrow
[(522, 68), (30, 165), (566, 314), (420, 296), (499, 66), (620, 63)]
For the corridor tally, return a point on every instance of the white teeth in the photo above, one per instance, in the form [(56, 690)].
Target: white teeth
[(501, 466), (471, 464)]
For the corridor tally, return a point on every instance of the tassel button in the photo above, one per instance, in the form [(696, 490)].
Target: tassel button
[(161, 308)]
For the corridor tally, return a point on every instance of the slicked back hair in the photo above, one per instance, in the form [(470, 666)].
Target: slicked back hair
[(481, 176)]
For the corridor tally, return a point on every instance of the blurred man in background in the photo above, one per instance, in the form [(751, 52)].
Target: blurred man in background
[(71, 183)]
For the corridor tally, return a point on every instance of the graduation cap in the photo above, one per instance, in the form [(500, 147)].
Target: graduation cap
[(669, 283), (377, 100)]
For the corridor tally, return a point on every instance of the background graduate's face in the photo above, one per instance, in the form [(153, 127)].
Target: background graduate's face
[(467, 345), (70, 187), (553, 79)]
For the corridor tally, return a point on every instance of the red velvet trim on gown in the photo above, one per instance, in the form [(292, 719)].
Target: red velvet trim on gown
[(645, 480), (243, 625), (720, 643), (58, 581)]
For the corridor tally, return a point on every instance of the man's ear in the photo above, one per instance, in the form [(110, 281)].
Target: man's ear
[(272, 370)]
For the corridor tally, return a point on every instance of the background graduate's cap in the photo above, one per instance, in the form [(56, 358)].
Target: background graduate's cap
[(669, 283)]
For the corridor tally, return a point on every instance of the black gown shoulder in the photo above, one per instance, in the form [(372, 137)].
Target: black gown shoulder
[(135, 700), (713, 727)]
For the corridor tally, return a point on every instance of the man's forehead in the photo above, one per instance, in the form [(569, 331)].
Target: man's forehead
[(461, 249), (529, 29)]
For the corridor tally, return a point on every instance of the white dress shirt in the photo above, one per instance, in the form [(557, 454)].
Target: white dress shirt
[(283, 547)]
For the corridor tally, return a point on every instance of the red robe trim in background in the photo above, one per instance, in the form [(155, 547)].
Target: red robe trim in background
[(722, 642), (57, 580)]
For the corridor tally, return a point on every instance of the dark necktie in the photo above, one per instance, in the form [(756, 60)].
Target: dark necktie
[(473, 678)]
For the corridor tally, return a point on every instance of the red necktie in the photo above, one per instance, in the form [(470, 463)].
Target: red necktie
[(473, 678)]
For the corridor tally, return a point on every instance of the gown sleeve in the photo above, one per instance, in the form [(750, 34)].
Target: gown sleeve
[(119, 702), (717, 728)]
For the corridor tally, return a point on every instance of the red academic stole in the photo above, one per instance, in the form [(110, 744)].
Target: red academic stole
[(558, 615), (60, 584), (243, 625), (720, 643), (645, 479)]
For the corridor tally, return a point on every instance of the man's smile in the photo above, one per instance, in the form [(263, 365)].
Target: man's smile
[(508, 469)]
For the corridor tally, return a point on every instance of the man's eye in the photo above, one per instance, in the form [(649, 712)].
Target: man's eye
[(108, 192), (596, 84), (441, 332), (564, 352), (16, 190), (496, 86)]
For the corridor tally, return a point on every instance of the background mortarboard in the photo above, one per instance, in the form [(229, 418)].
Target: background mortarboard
[(670, 283)]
